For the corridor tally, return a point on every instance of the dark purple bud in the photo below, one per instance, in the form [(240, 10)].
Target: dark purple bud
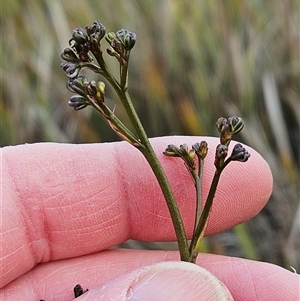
[(96, 32), (172, 151), (79, 35), (96, 29), (95, 39), (221, 154), (69, 55), (239, 153), (221, 151), (71, 69), (78, 102), (222, 124), (77, 85), (127, 38)]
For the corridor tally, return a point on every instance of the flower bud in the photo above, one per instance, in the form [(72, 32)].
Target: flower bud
[(221, 151), (96, 32), (130, 40), (239, 153), (77, 85), (236, 124), (120, 34), (96, 29), (184, 149), (91, 88), (79, 36), (100, 90), (71, 69), (110, 37), (69, 55), (77, 102), (191, 155), (222, 124), (188, 156), (127, 38), (201, 149), (172, 151), (224, 130), (221, 154), (117, 46), (95, 39)]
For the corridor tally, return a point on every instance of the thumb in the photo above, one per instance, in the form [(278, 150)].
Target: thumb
[(172, 280)]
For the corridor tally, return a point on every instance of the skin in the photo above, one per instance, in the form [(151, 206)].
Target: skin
[(63, 206)]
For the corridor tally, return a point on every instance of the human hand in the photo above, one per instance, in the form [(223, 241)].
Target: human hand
[(64, 205)]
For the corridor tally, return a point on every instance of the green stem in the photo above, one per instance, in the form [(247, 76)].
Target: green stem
[(195, 243), (203, 220), (124, 71), (116, 124), (198, 185), (162, 179), (150, 156)]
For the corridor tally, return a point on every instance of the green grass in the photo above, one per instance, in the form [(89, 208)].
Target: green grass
[(193, 62)]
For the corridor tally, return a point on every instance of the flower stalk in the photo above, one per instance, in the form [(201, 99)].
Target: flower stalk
[(86, 52)]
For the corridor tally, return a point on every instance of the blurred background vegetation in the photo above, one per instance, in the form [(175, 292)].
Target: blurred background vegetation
[(194, 61)]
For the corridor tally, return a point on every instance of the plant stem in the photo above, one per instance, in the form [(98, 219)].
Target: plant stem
[(124, 71), (116, 124), (198, 185), (162, 179), (199, 233), (149, 154)]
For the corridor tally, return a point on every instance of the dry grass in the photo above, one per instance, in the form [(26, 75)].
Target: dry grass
[(193, 62)]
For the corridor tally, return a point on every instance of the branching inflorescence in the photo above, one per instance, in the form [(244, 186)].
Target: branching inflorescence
[(86, 51)]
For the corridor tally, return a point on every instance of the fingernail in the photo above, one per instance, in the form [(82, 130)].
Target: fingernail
[(177, 281)]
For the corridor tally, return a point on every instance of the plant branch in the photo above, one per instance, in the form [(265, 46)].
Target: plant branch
[(149, 154), (162, 179), (199, 233)]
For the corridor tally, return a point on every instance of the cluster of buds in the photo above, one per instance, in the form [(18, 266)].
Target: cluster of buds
[(82, 44), (85, 47), (84, 41), (198, 150), (120, 43), (228, 127), (88, 92), (85, 51)]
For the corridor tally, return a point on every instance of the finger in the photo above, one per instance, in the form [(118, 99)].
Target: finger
[(245, 279), (68, 200), (172, 280)]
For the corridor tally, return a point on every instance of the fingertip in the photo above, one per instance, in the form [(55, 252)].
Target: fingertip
[(173, 280), (244, 189), (253, 280)]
